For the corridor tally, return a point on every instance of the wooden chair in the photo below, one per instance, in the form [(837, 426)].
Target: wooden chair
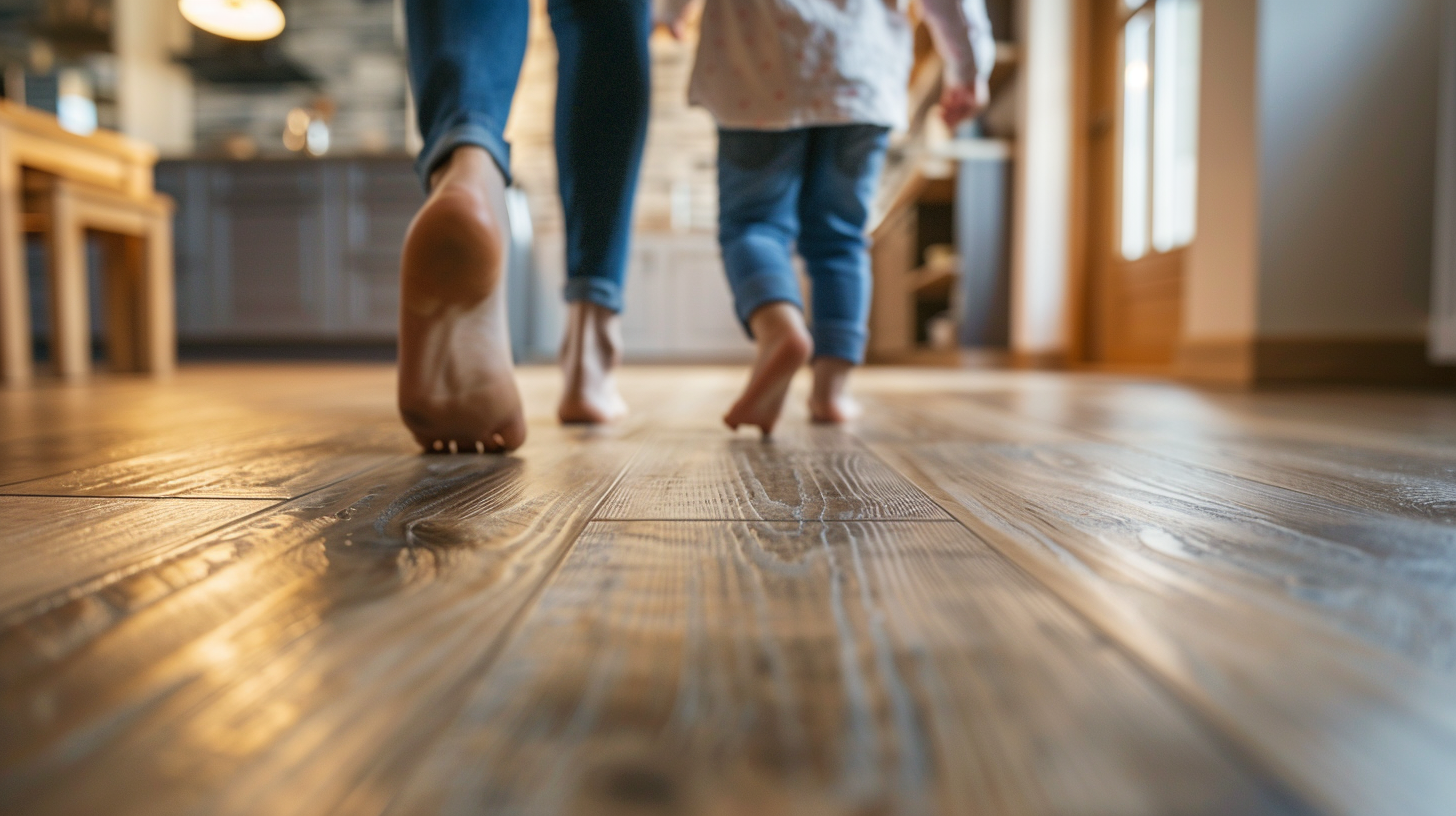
[(137, 249)]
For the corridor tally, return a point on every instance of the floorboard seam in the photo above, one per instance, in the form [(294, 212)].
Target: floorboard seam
[(94, 583), (518, 617), (1239, 754), (90, 585), (274, 499), (876, 520)]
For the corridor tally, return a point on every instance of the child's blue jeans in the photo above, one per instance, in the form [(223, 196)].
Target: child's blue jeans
[(809, 188), (464, 59)]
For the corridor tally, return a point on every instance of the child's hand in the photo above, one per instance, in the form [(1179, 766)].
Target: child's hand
[(960, 101), (673, 16)]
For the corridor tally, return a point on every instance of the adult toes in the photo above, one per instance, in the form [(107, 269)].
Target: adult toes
[(510, 436)]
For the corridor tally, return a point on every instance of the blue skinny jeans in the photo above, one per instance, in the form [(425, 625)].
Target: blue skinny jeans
[(809, 188), (464, 59)]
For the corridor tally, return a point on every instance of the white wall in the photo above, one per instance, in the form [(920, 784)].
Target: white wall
[(1347, 118), (1039, 254), (154, 94), (1222, 267)]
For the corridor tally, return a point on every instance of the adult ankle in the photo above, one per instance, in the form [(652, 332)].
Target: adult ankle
[(592, 329), (590, 353), (466, 162)]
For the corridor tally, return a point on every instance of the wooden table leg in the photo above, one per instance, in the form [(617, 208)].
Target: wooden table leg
[(70, 306), (15, 352), (158, 312), (125, 260)]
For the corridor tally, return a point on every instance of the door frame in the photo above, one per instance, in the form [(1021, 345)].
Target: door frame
[(1097, 168)]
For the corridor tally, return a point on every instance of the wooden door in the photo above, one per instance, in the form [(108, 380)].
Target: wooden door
[(1142, 177)]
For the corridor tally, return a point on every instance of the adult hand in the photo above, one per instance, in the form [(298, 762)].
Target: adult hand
[(961, 101)]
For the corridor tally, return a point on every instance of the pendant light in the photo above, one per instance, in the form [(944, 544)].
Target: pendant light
[(235, 19)]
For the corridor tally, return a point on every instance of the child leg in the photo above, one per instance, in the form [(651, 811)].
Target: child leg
[(783, 348), (759, 178), (842, 172)]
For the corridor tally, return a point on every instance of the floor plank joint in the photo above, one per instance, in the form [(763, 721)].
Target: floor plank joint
[(242, 591)]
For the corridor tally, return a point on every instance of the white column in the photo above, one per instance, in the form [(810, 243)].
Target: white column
[(1041, 233), (154, 94), (1221, 270)]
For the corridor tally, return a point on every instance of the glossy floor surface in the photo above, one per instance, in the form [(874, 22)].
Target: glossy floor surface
[(241, 592)]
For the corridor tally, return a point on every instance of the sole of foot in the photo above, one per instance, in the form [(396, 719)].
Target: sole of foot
[(590, 355), (457, 387), (784, 347)]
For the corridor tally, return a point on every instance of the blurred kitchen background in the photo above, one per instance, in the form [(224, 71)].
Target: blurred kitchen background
[(1232, 191), (290, 160)]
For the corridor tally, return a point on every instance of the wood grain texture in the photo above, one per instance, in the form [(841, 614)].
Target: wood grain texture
[(1167, 601), (275, 465), (1401, 484), (1397, 482), (1394, 422), (349, 619), (1388, 453), (53, 453), (710, 475), (52, 430), (51, 545), (924, 418), (881, 667), (1318, 635)]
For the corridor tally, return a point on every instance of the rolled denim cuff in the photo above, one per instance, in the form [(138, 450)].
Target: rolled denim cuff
[(478, 134), (601, 291), (753, 293), (842, 339)]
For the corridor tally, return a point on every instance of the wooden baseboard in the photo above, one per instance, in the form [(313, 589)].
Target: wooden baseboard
[(1249, 362), (1400, 361), (1160, 371), (1218, 362), (1039, 360), (941, 358)]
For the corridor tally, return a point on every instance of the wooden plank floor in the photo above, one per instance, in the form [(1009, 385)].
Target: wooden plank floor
[(241, 591)]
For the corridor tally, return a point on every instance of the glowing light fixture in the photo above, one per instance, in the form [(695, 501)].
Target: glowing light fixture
[(235, 19)]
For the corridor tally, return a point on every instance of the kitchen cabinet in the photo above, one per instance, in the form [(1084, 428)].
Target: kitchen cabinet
[(305, 252), (678, 306), (289, 250)]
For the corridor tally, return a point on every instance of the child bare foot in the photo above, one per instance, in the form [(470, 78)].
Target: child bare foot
[(457, 390), (829, 401), (589, 357), (783, 347)]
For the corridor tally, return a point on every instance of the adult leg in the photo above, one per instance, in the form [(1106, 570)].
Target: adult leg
[(457, 391), (603, 98), (843, 171), (759, 181)]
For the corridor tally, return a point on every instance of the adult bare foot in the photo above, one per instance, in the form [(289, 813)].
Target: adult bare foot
[(457, 390), (829, 401), (589, 358), (784, 346)]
